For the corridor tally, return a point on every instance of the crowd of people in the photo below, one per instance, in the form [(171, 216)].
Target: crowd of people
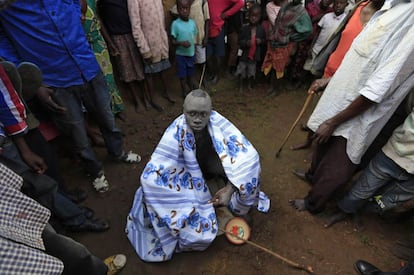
[(66, 70)]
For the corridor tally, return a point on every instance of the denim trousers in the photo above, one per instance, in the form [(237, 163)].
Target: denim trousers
[(76, 258), (384, 182), (94, 96)]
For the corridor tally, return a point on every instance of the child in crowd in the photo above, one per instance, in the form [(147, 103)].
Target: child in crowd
[(250, 39), (283, 36), (127, 58), (148, 28), (183, 32), (327, 26), (200, 14)]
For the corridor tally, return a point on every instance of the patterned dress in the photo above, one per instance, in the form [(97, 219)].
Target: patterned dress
[(98, 45)]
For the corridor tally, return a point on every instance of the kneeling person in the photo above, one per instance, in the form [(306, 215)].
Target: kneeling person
[(174, 209)]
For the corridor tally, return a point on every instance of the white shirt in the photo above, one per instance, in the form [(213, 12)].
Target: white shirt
[(328, 24), (379, 66), (400, 147)]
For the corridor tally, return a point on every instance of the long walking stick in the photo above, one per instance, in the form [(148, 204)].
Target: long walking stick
[(305, 106), (308, 268)]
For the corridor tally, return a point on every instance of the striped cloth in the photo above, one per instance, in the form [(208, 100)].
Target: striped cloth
[(171, 212), (22, 221)]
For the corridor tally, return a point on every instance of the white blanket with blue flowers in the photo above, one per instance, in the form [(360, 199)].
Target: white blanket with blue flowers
[(171, 212)]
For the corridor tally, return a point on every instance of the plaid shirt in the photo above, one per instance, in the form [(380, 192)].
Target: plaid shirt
[(22, 221)]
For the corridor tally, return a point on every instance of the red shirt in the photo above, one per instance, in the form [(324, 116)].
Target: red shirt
[(216, 8)]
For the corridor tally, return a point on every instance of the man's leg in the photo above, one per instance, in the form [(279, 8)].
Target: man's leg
[(71, 123), (76, 258), (380, 172), (97, 101), (331, 171)]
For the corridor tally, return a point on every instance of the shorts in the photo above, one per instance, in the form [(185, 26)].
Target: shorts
[(246, 69), (216, 46), (200, 54), (184, 66)]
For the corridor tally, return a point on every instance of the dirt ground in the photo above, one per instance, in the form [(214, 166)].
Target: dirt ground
[(298, 236)]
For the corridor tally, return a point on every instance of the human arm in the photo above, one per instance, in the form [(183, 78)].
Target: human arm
[(357, 107), (319, 85), (113, 50), (32, 160), (235, 7), (45, 96), (137, 32)]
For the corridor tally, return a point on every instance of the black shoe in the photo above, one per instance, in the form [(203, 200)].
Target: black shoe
[(77, 195), (300, 175), (365, 268), (96, 225)]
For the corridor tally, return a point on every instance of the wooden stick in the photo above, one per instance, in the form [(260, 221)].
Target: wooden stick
[(305, 106), (202, 75), (308, 268)]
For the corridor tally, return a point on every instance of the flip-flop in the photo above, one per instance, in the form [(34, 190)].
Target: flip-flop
[(130, 157), (31, 79), (115, 263)]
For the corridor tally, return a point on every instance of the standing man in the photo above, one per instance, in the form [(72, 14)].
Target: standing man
[(55, 41), (220, 10), (374, 77)]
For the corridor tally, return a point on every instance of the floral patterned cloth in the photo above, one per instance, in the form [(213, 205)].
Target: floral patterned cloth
[(98, 45), (171, 212)]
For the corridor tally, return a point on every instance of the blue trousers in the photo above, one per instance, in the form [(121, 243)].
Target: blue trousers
[(96, 99), (384, 182)]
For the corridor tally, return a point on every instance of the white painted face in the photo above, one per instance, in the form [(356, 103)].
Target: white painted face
[(197, 110)]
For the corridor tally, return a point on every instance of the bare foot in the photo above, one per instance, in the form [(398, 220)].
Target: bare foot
[(168, 97), (334, 218), (298, 204), (357, 222), (301, 146), (139, 108)]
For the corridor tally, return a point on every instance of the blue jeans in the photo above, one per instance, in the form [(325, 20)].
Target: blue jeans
[(94, 95), (383, 182)]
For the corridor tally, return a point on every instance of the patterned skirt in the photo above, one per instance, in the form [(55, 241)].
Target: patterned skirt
[(129, 63)]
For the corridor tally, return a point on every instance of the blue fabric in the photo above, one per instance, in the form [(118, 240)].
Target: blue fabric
[(184, 31), (184, 66), (171, 210), (49, 34)]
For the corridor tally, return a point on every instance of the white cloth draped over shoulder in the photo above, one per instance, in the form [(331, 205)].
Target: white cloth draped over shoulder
[(171, 212)]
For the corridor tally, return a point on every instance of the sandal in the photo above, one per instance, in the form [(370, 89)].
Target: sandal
[(115, 263), (100, 184), (130, 157)]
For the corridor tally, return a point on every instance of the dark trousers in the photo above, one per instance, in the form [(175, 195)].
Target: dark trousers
[(76, 258), (42, 188), (330, 171)]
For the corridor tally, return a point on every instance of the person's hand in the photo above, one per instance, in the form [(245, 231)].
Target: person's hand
[(318, 85), (185, 44), (223, 196), (324, 131), (113, 50), (258, 41), (35, 162), (45, 94), (248, 43), (148, 60)]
